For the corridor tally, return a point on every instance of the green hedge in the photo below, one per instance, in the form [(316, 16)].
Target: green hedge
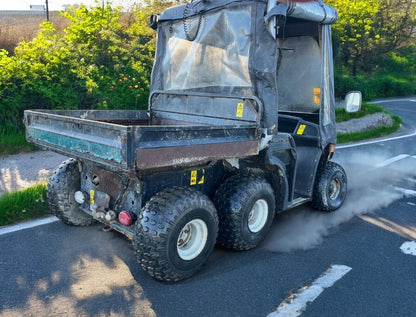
[(378, 86), (96, 63), (100, 63), (395, 76)]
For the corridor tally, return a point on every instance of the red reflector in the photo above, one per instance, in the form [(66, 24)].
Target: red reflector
[(125, 218)]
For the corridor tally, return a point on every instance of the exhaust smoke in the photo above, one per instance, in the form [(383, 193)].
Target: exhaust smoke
[(374, 182)]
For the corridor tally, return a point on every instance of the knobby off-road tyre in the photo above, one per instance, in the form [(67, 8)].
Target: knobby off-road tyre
[(175, 233), (330, 187), (246, 208), (62, 185)]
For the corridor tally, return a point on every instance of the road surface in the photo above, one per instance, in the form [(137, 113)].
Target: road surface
[(358, 261)]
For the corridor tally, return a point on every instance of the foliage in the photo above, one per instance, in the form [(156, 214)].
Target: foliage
[(95, 63), (102, 59), (14, 142), (376, 86), (353, 29), (23, 205), (395, 23), (370, 29)]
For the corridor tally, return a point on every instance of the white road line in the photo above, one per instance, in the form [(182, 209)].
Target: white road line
[(394, 100), (392, 160), (406, 192), (409, 247), (27, 225), (296, 303), (377, 141)]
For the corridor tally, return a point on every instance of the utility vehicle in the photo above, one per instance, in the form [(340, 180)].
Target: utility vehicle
[(240, 126)]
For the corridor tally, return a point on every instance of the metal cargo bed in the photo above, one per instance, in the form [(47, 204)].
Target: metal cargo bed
[(125, 140)]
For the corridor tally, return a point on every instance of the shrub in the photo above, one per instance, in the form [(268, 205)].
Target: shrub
[(95, 64), (375, 86)]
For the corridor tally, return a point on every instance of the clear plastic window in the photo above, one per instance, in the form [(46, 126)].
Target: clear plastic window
[(208, 51), (299, 75)]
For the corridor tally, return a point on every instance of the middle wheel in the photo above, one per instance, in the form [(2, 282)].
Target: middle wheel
[(246, 208)]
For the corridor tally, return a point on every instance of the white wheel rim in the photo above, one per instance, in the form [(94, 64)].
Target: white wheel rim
[(192, 239), (258, 216), (334, 189)]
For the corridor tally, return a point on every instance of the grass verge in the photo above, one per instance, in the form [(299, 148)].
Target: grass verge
[(366, 109), (13, 143), (342, 115), (23, 205)]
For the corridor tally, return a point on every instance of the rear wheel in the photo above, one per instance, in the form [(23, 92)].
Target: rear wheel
[(62, 185), (246, 208), (330, 187), (175, 233)]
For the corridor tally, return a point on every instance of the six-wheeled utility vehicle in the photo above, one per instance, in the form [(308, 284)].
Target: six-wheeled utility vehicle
[(240, 125)]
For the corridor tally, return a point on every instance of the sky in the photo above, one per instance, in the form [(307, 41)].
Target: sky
[(54, 5)]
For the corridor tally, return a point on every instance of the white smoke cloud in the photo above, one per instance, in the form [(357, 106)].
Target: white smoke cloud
[(371, 186)]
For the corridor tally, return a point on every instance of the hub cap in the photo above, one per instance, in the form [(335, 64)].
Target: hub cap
[(192, 239), (334, 189), (258, 215)]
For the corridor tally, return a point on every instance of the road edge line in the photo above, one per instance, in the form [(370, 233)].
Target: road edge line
[(376, 141), (392, 160), (27, 225)]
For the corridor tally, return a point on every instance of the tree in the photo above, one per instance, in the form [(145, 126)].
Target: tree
[(354, 30), (369, 29), (395, 23), (95, 63)]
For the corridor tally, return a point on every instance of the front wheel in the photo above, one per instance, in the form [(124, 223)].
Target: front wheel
[(330, 187), (175, 233)]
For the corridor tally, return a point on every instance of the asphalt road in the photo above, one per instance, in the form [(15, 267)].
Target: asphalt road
[(57, 270)]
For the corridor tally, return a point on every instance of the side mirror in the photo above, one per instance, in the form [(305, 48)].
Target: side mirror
[(353, 101)]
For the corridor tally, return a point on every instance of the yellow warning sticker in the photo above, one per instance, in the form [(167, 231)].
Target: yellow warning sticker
[(194, 175), (301, 129), (317, 96), (202, 179), (92, 193), (197, 179), (240, 110)]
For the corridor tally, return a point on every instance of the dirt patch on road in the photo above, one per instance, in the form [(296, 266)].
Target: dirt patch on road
[(24, 170)]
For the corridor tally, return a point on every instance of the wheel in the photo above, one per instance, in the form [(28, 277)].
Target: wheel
[(330, 187), (246, 208), (175, 233), (62, 185)]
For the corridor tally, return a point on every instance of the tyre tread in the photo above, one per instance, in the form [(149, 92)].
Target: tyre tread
[(319, 200), (154, 224), (231, 194), (60, 195)]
